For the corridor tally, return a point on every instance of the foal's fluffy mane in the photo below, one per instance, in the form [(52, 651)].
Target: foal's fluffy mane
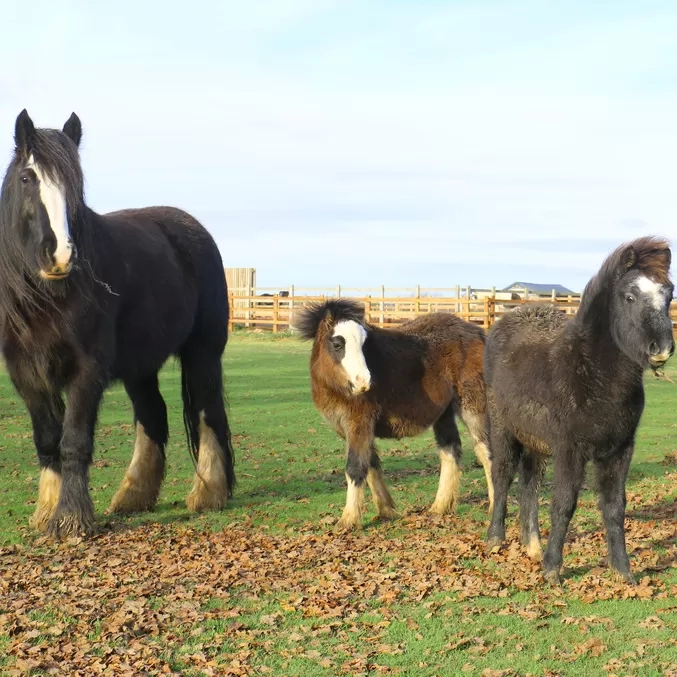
[(332, 311), (651, 255)]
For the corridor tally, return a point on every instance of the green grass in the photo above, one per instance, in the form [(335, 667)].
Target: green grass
[(291, 485)]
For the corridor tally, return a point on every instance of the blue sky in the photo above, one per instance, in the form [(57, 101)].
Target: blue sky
[(368, 142)]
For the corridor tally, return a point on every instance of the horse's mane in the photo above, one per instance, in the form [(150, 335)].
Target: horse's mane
[(332, 311), (57, 155), (650, 255)]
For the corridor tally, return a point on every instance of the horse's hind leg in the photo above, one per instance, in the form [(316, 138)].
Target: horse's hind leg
[(140, 487), (382, 498), (207, 429), (531, 473), (476, 422), (449, 445), (505, 455)]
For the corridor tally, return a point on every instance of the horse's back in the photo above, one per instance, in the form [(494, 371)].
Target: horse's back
[(442, 327), (173, 263), (455, 345), (525, 373), (523, 336), (191, 243)]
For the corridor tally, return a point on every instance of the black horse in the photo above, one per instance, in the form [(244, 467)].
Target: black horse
[(573, 389), (86, 299)]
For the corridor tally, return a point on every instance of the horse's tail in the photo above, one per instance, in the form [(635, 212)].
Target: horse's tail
[(191, 417)]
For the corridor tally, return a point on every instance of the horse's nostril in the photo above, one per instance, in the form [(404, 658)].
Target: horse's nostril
[(654, 349)]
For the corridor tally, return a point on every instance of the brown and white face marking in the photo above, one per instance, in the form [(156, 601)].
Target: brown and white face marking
[(346, 344), (56, 244)]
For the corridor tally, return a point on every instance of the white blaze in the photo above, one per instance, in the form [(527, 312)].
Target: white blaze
[(53, 197), (653, 289), (353, 361)]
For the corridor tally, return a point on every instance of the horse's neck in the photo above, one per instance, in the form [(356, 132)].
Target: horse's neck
[(596, 346)]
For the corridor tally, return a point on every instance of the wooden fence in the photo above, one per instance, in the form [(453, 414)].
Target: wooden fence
[(275, 312)]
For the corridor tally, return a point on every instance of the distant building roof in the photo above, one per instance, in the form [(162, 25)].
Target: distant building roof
[(536, 288)]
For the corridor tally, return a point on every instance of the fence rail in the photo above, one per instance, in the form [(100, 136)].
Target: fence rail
[(275, 312)]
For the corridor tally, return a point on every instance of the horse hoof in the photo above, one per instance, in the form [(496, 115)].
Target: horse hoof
[(40, 518), (344, 526), (131, 498), (493, 545), (552, 577), (625, 577), (533, 548), (442, 509), (128, 505), (68, 524), (204, 501), (386, 516)]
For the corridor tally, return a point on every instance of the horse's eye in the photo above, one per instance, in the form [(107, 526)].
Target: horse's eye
[(24, 178), (338, 342), (629, 298)]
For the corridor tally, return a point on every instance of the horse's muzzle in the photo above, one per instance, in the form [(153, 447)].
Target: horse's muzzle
[(59, 270), (360, 386), (658, 356)]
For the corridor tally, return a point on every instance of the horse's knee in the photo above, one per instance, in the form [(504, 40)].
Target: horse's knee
[(357, 467)]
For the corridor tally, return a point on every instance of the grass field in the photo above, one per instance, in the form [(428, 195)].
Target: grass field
[(267, 588)]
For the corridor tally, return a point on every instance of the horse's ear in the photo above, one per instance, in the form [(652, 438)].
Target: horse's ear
[(24, 132), (73, 129), (629, 257)]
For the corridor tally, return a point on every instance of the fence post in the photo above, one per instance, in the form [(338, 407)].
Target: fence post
[(231, 308), (276, 311), (383, 295), (492, 317), (418, 299), (338, 291), (247, 313), (291, 306)]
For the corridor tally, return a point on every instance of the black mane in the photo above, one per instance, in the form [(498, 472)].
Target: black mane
[(332, 311)]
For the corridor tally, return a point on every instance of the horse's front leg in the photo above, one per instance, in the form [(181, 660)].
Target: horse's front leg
[(383, 501), (358, 461), (46, 411), (74, 512), (569, 471), (612, 474)]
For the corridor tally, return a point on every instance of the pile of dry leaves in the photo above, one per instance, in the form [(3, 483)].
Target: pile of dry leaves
[(129, 598)]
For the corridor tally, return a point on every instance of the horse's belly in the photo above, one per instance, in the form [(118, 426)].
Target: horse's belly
[(394, 427), (146, 349), (534, 443)]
